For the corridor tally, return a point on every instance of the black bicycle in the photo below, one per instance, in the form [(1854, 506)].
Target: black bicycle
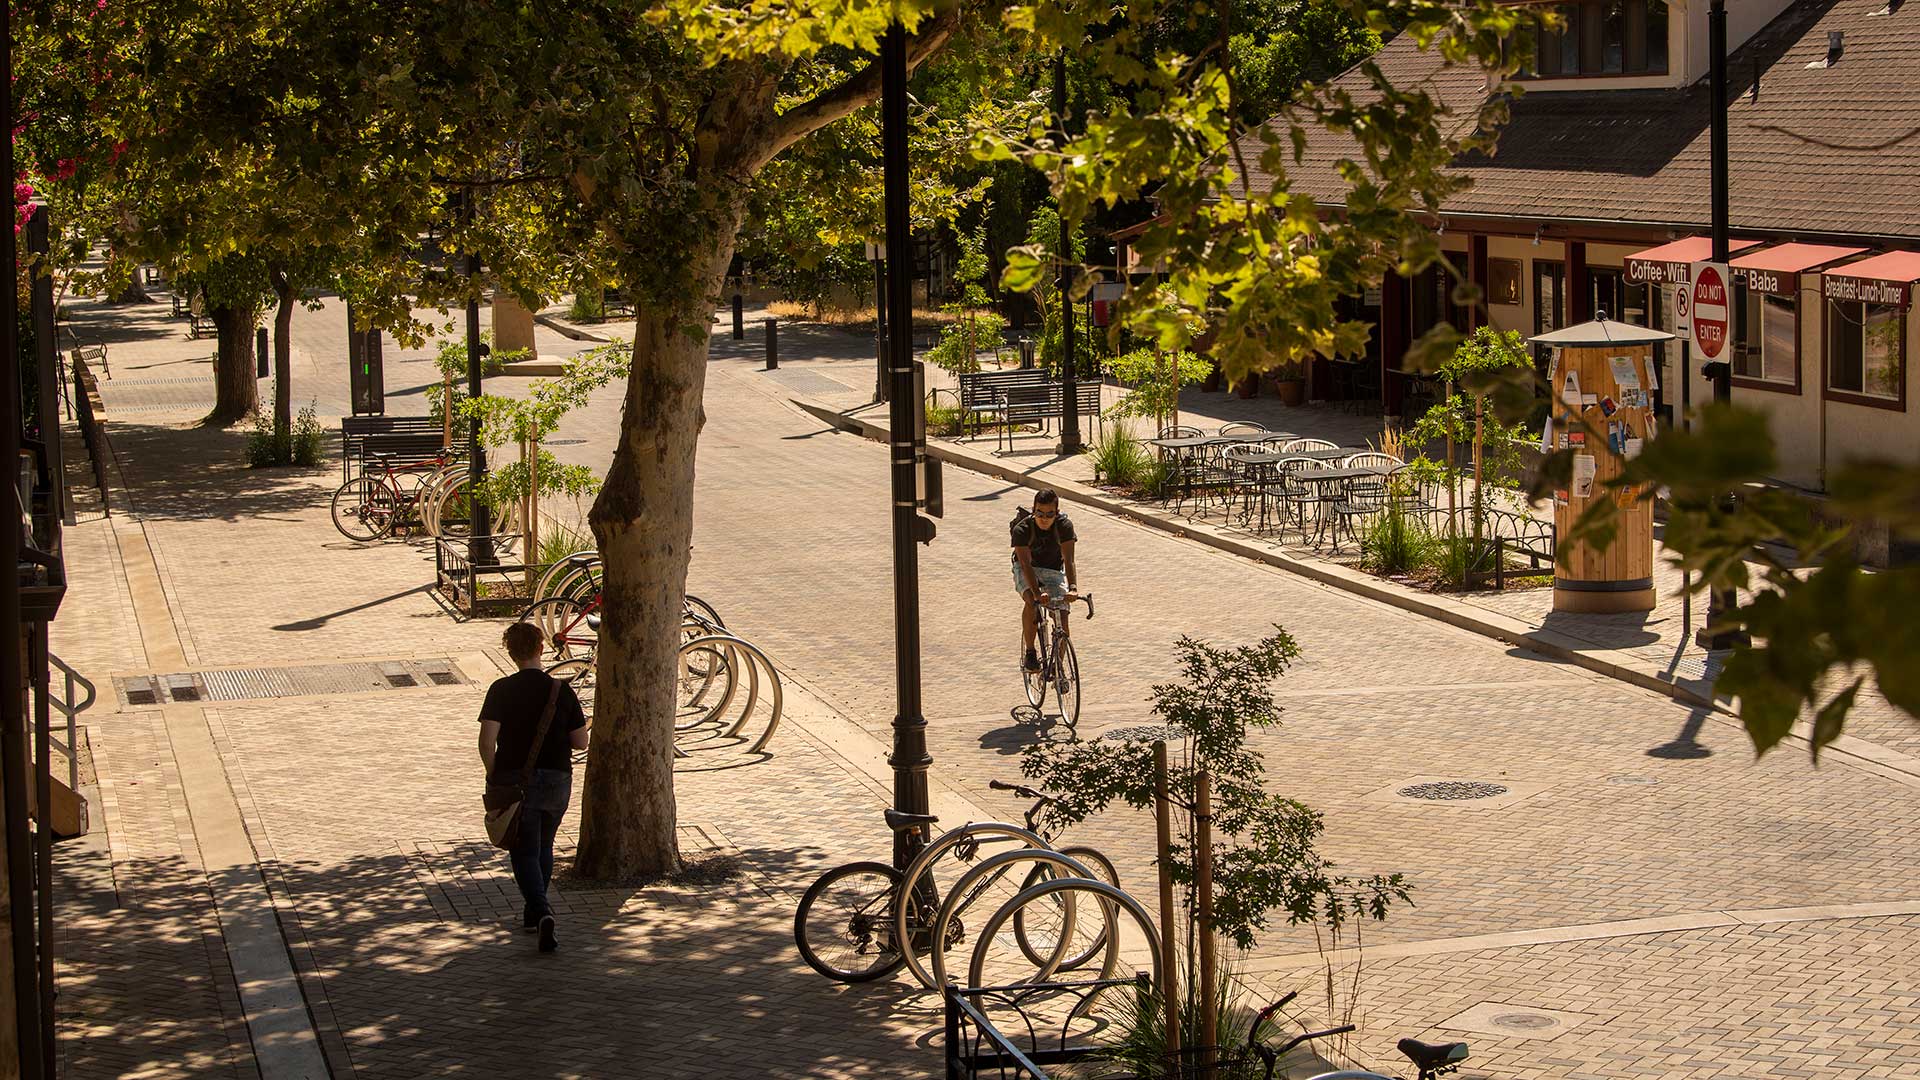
[(1059, 670), (851, 922), (1431, 1059)]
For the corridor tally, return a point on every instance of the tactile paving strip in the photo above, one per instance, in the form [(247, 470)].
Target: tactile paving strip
[(242, 684)]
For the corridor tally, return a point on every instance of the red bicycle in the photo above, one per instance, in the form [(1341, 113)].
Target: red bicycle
[(380, 500)]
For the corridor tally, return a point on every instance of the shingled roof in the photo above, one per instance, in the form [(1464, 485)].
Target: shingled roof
[(1831, 151)]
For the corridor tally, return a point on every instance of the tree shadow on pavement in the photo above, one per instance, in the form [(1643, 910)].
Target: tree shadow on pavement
[(415, 978), (199, 474)]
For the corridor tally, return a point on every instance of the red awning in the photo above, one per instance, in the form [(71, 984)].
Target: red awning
[(1776, 270), (1883, 279), (1672, 263)]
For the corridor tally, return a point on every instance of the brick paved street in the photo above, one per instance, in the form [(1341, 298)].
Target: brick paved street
[(361, 808)]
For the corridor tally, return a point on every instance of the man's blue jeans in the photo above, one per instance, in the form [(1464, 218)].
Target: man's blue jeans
[(532, 858)]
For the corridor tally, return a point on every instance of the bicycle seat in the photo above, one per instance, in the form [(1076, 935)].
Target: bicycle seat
[(1426, 1055), (898, 821), (593, 622)]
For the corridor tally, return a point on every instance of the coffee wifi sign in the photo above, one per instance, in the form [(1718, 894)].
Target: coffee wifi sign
[(1710, 308)]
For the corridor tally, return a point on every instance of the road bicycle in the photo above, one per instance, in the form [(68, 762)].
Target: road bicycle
[(851, 923), (375, 503), (1059, 672)]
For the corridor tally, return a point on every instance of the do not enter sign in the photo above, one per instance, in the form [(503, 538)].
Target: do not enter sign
[(1711, 302)]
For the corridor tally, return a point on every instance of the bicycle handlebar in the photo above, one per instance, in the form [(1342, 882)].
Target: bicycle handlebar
[(1068, 604), (1021, 790)]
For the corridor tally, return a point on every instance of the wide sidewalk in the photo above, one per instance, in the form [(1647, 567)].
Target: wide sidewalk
[(1680, 910)]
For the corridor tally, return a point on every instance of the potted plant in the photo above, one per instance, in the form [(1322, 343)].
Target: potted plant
[(1289, 382)]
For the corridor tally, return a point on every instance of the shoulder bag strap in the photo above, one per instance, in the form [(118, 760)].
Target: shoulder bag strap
[(540, 734)]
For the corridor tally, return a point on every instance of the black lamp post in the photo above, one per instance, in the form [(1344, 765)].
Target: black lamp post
[(910, 758), (1719, 601), (480, 527), (1069, 366)]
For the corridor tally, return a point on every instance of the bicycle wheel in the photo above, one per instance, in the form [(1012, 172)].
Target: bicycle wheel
[(1035, 682), (363, 508), (568, 632), (844, 925), (964, 845), (579, 674), (1038, 932), (1066, 683), (704, 610)]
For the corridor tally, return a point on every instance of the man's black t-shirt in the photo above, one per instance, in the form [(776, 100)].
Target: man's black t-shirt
[(516, 704), (1044, 544)]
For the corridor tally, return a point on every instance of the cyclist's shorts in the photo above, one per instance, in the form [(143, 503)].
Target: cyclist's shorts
[(1052, 582)]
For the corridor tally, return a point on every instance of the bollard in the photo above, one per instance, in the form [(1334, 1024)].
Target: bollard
[(260, 358), (773, 346), (1026, 354), (739, 318)]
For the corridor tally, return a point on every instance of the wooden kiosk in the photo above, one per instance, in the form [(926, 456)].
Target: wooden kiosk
[(1603, 374)]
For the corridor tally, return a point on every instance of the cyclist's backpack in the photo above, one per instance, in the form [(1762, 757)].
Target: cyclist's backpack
[(1020, 516)]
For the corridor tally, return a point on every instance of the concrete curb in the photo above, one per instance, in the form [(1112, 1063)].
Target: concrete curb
[(1898, 767), (567, 331)]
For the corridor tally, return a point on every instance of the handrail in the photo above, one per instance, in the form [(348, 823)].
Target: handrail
[(70, 710)]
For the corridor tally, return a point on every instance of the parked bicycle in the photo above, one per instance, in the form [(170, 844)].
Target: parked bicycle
[(385, 496), (851, 923), (1059, 672)]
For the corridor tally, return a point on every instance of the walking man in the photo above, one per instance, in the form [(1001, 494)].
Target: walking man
[(509, 719)]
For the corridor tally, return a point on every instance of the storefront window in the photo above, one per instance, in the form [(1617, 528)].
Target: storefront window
[(1866, 350), (1603, 37), (1768, 350)]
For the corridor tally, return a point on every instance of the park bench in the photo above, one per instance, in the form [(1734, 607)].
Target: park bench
[(981, 392), (615, 302), (93, 352), (401, 437), (1029, 403)]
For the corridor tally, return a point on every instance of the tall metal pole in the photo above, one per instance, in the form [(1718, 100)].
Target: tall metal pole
[(881, 392), (1070, 419), (480, 528), (910, 758), (1720, 601), (13, 733)]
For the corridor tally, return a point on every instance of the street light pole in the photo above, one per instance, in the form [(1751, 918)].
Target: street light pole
[(1070, 418), (910, 758), (479, 525), (1719, 601)]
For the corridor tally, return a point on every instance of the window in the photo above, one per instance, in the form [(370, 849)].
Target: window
[(1602, 37), (1866, 352), (1767, 345)]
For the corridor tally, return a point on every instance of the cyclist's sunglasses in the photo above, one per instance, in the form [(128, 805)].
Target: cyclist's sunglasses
[(1048, 514)]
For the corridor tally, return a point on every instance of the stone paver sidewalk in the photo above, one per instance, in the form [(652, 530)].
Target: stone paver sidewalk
[(1664, 902)]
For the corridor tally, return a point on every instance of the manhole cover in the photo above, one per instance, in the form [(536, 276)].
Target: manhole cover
[(1520, 1021), (1452, 790)]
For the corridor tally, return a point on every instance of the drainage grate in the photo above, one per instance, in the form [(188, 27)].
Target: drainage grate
[(241, 684), (1453, 790)]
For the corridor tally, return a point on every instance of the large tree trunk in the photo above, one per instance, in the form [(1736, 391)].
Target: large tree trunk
[(236, 390), (643, 521), (282, 348)]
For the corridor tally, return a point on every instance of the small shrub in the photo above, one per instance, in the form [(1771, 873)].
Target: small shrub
[(1159, 477), (1121, 458), (1457, 555), (943, 419), (1395, 542), (558, 541), (267, 447), (588, 306)]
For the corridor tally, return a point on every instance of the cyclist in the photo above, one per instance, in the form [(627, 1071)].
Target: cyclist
[(1042, 560)]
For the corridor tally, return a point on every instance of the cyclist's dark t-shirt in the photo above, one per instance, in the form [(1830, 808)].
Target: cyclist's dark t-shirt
[(1044, 544), (515, 703)]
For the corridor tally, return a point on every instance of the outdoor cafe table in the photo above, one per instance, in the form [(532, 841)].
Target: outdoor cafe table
[(1322, 477), (1186, 447)]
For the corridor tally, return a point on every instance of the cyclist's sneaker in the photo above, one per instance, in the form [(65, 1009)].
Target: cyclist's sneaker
[(1031, 662)]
